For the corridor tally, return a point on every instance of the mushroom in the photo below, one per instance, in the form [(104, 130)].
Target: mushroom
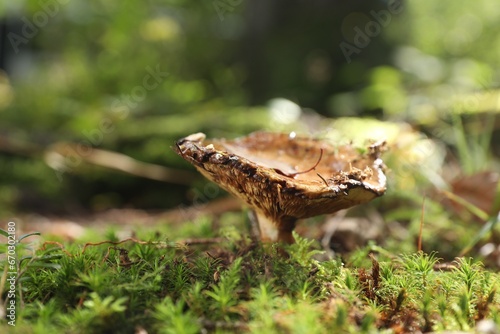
[(286, 177)]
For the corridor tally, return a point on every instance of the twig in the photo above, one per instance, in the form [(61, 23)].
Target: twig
[(303, 172), (58, 244), (322, 178), (120, 162), (421, 226)]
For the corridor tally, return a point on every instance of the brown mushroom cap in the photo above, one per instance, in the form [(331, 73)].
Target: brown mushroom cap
[(285, 177)]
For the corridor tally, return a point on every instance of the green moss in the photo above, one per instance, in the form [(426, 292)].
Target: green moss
[(241, 286)]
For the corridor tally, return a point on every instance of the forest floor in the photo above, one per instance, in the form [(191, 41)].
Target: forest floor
[(138, 272)]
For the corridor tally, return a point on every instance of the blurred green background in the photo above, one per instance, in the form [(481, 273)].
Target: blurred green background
[(133, 76)]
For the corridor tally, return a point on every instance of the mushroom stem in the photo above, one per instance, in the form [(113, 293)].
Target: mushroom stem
[(276, 230)]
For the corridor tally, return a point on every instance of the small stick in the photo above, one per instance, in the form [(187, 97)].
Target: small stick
[(303, 172), (421, 226), (58, 244), (313, 167), (321, 177), (180, 149)]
